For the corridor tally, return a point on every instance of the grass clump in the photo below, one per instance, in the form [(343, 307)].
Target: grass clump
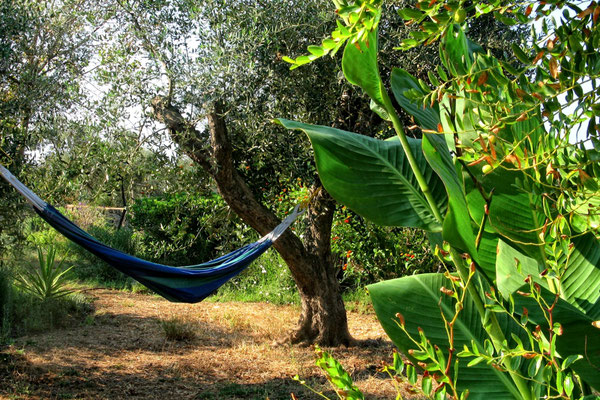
[(178, 330)]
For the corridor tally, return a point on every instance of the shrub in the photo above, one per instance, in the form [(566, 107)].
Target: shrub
[(182, 228), (367, 253), (364, 252)]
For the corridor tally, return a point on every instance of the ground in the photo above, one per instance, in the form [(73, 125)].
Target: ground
[(121, 351)]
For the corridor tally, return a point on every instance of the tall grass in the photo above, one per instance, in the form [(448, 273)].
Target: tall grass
[(266, 280)]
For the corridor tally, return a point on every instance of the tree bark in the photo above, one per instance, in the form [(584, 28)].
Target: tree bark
[(323, 316)]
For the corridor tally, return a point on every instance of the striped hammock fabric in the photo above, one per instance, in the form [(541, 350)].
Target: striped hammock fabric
[(188, 284)]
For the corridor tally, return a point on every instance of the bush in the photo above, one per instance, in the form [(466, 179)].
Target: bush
[(364, 252), (182, 228), (47, 280), (368, 253)]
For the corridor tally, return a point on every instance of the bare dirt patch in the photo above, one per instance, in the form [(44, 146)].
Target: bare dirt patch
[(122, 352)]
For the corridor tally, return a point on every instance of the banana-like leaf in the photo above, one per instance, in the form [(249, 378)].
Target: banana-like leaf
[(582, 338), (457, 51), (457, 227), (402, 82), (581, 280), (576, 309), (372, 177), (512, 268), (419, 300), (513, 213), (359, 64)]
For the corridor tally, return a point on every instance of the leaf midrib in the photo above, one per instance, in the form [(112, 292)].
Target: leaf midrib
[(394, 170)]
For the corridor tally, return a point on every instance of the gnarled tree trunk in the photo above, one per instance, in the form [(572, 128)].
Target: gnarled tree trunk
[(323, 317)]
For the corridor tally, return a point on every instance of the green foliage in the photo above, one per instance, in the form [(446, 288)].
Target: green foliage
[(23, 312), (435, 296), (364, 252), (356, 30), (520, 226), (266, 280), (337, 376), (368, 253), (44, 49), (357, 169), (48, 281), (186, 228)]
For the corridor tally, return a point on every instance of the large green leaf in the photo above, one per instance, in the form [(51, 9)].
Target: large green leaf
[(402, 82), (457, 227), (488, 238), (581, 280), (359, 64), (581, 337), (513, 213), (576, 309), (419, 300), (580, 287), (512, 267), (457, 51), (372, 177)]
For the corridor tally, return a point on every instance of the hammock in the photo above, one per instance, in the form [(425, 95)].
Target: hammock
[(188, 284)]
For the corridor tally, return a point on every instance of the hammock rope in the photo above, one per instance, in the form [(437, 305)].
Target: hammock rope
[(188, 284)]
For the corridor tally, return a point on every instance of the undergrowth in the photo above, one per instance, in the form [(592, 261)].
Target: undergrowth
[(22, 312), (266, 280)]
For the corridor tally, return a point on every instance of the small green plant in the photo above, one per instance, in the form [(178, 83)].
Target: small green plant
[(337, 376), (402, 374), (49, 280), (177, 330)]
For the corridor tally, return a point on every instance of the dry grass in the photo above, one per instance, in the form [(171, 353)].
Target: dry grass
[(122, 352)]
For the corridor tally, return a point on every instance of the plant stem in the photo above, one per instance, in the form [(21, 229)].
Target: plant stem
[(491, 325), (399, 128)]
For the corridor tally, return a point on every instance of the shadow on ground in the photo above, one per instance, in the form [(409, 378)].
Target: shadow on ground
[(122, 352)]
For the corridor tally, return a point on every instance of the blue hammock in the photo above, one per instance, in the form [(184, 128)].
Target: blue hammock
[(189, 284)]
